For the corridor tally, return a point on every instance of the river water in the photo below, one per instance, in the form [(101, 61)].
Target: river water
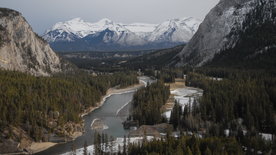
[(108, 114)]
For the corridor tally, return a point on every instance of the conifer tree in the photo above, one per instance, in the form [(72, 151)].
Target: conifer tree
[(85, 148), (188, 151), (73, 148), (208, 151)]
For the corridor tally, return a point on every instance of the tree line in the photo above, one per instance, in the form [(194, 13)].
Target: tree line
[(188, 145)]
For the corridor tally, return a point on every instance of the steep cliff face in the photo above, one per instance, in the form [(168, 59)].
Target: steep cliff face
[(221, 29), (23, 50)]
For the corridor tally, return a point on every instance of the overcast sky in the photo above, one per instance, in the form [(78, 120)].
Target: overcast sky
[(42, 14)]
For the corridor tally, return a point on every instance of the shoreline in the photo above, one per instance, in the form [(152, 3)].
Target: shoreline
[(109, 93), (42, 146)]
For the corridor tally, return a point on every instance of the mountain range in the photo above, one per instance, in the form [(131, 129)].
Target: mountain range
[(106, 35)]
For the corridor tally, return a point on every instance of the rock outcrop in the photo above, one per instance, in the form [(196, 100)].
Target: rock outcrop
[(23, 50)]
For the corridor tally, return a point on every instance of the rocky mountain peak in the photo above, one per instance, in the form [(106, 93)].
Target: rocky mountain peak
[(23, 50), (217, 31)]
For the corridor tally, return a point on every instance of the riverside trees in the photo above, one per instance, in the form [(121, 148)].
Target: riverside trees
[(244, 101), (147, 103)]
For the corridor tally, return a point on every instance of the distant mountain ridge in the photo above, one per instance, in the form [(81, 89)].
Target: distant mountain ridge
[(78, 35)]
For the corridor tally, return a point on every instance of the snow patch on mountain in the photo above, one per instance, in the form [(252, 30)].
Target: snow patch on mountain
[(175, 30), (78, 28)]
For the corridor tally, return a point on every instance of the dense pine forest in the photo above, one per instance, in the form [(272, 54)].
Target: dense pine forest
[(157, 59), (242, 103), (147, 103), (247, 97), (188, 146), (34, 103)]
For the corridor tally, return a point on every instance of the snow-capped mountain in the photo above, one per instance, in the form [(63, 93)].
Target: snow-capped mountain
[(175, 30), (76, 34), (78, 28), (140, 27)]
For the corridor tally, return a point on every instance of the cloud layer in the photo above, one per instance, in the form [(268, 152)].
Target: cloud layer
[(42, 14)]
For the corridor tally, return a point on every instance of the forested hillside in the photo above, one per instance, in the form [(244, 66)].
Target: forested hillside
[(256, 46), (157, 59), (249, 98), (230, 117), (41, 105)]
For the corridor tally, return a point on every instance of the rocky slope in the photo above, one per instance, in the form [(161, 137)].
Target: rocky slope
[(222, 29), (23, 50), (106, 35)]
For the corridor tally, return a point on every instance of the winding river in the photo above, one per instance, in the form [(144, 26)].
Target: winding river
[(108, 114)]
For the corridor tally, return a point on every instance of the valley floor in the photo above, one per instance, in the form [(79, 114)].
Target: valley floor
[(38, 147)]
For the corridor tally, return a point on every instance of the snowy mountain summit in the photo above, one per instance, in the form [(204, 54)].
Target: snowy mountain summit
[(77, 34)]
